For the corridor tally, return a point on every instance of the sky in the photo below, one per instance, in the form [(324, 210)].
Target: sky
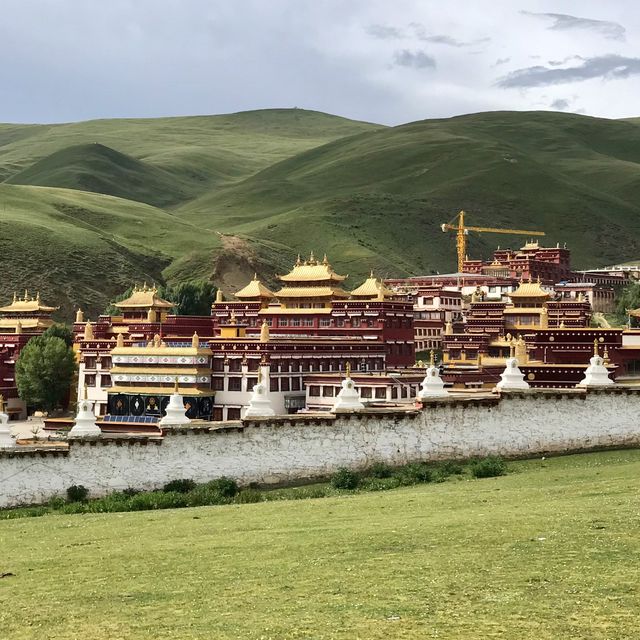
[(389, 61)]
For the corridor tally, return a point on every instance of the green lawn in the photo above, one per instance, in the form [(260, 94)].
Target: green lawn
[(549, 551)]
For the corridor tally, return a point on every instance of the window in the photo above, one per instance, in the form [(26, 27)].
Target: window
[(295, 384), (381, 392), (90, 380), (394, 393), (295, 322), (340, 322), (308, 322), (251, 382), (217, 384), (314, 391), (284, 384), (233, 413), (217, 414), (283, 322), (328, 392), (355, 322), (90, 362), (106, 362), (253, 364), (273, 385), (105, 381), (235, 384), (325, 322), (218, 364), (235, 364), (365, 392)]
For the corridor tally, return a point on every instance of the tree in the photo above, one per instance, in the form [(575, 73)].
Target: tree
[(192, 298), (60, 331), (44, 371), (628, 299)]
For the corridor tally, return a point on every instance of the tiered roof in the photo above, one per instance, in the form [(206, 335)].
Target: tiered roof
[(312, 279), (144, 298), (372, 288), (530, 290), (255, 289), (27, 305)]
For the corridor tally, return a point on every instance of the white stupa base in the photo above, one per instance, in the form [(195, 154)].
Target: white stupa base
[(5, 432), (259, 404), (432, 385), (175, 413), (596, 374), (85, 423), (512, 379), (348, 399)]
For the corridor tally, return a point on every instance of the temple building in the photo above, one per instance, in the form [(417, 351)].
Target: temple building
[(311, 324), (24, 318)]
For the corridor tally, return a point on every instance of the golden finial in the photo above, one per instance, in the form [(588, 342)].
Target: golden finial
[(86, 393), (219, 297), (312, 258), (264, 332), (26, 295), (347, 369), (1, 403), (233, 319), (175, 385), (15, 297), (325, 260), (195, 340), (298, 261), (259, 375), (512, 349), (255, 275), (605, 356), (371, 274), (432, 361), (595, 347), (538, 280)]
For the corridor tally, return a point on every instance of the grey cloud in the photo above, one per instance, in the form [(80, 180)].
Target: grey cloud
[(558, 63), (422, 34), (608, 67), (500, 61), (562, 21), (416, 59), (560, 104), (384, 32)]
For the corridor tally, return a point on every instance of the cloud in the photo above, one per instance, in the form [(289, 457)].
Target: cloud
[(384, 32), (558, 63), (560, 104), (563, 21), (500, 61), (608, 67), (416, 59), (422, 34)]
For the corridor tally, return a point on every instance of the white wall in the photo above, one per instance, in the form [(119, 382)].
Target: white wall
[(291, 448)]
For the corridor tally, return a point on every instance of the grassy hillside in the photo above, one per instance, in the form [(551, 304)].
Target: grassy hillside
[(377, 199), (546, 552), (256, 188)]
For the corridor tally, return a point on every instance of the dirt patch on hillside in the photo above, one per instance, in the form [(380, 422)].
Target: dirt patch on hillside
[(235, 264)]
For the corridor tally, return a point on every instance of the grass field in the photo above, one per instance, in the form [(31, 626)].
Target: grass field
[(546, 552)]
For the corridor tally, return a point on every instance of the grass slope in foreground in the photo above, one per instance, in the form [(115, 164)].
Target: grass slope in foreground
[(547, 552)]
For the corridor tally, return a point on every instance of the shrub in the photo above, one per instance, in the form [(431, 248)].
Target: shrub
[(380, 484), (56, 502), (345, 479), (380, 470), (157, 500), (249, 495), (182, 485), (74, 507), (450, 468), (415, 473), (225, 486), (204, 495), (489, 467), (77, 493), (130, 491)]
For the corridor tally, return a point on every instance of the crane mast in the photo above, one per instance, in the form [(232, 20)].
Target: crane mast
[(462, 231)]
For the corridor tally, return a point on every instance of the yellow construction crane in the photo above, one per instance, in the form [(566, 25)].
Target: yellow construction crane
[(462, 231)]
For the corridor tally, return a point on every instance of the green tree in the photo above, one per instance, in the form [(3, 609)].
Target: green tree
[(60, 331), (44, 371), (629, 298), (192, 298)]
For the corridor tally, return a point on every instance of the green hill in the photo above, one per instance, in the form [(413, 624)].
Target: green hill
[(94, 167), (242, 192)]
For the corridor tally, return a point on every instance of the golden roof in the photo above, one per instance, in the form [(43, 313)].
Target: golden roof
[(529, 290), (25, 323), (312, 270), (312, 292), (372, 288), (27, 305), (144, 298), (255, 289)]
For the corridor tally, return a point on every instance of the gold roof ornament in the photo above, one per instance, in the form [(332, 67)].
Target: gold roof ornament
[(448, 328), (1, 403), (530, 290), (27, 306), (18, 327), (312, 271), (88, 331), (120, 340), (151, 315), (595, 347), (562, 325), (605, 356), (195, 340), (432, 361), (347, 369), (219, 297), (264, 332), (79, 316), (372, 288), (143, 299)]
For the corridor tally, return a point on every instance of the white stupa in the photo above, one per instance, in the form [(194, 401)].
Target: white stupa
[(596, 374), (5, 432), (433, 384), (512, 379), (175, 412), (259, 402), (85, 423), (348, 399)]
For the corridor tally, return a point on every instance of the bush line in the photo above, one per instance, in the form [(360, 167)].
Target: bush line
[(184, 492)]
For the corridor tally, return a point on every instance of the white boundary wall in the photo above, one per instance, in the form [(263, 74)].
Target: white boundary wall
[(293, 448)]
